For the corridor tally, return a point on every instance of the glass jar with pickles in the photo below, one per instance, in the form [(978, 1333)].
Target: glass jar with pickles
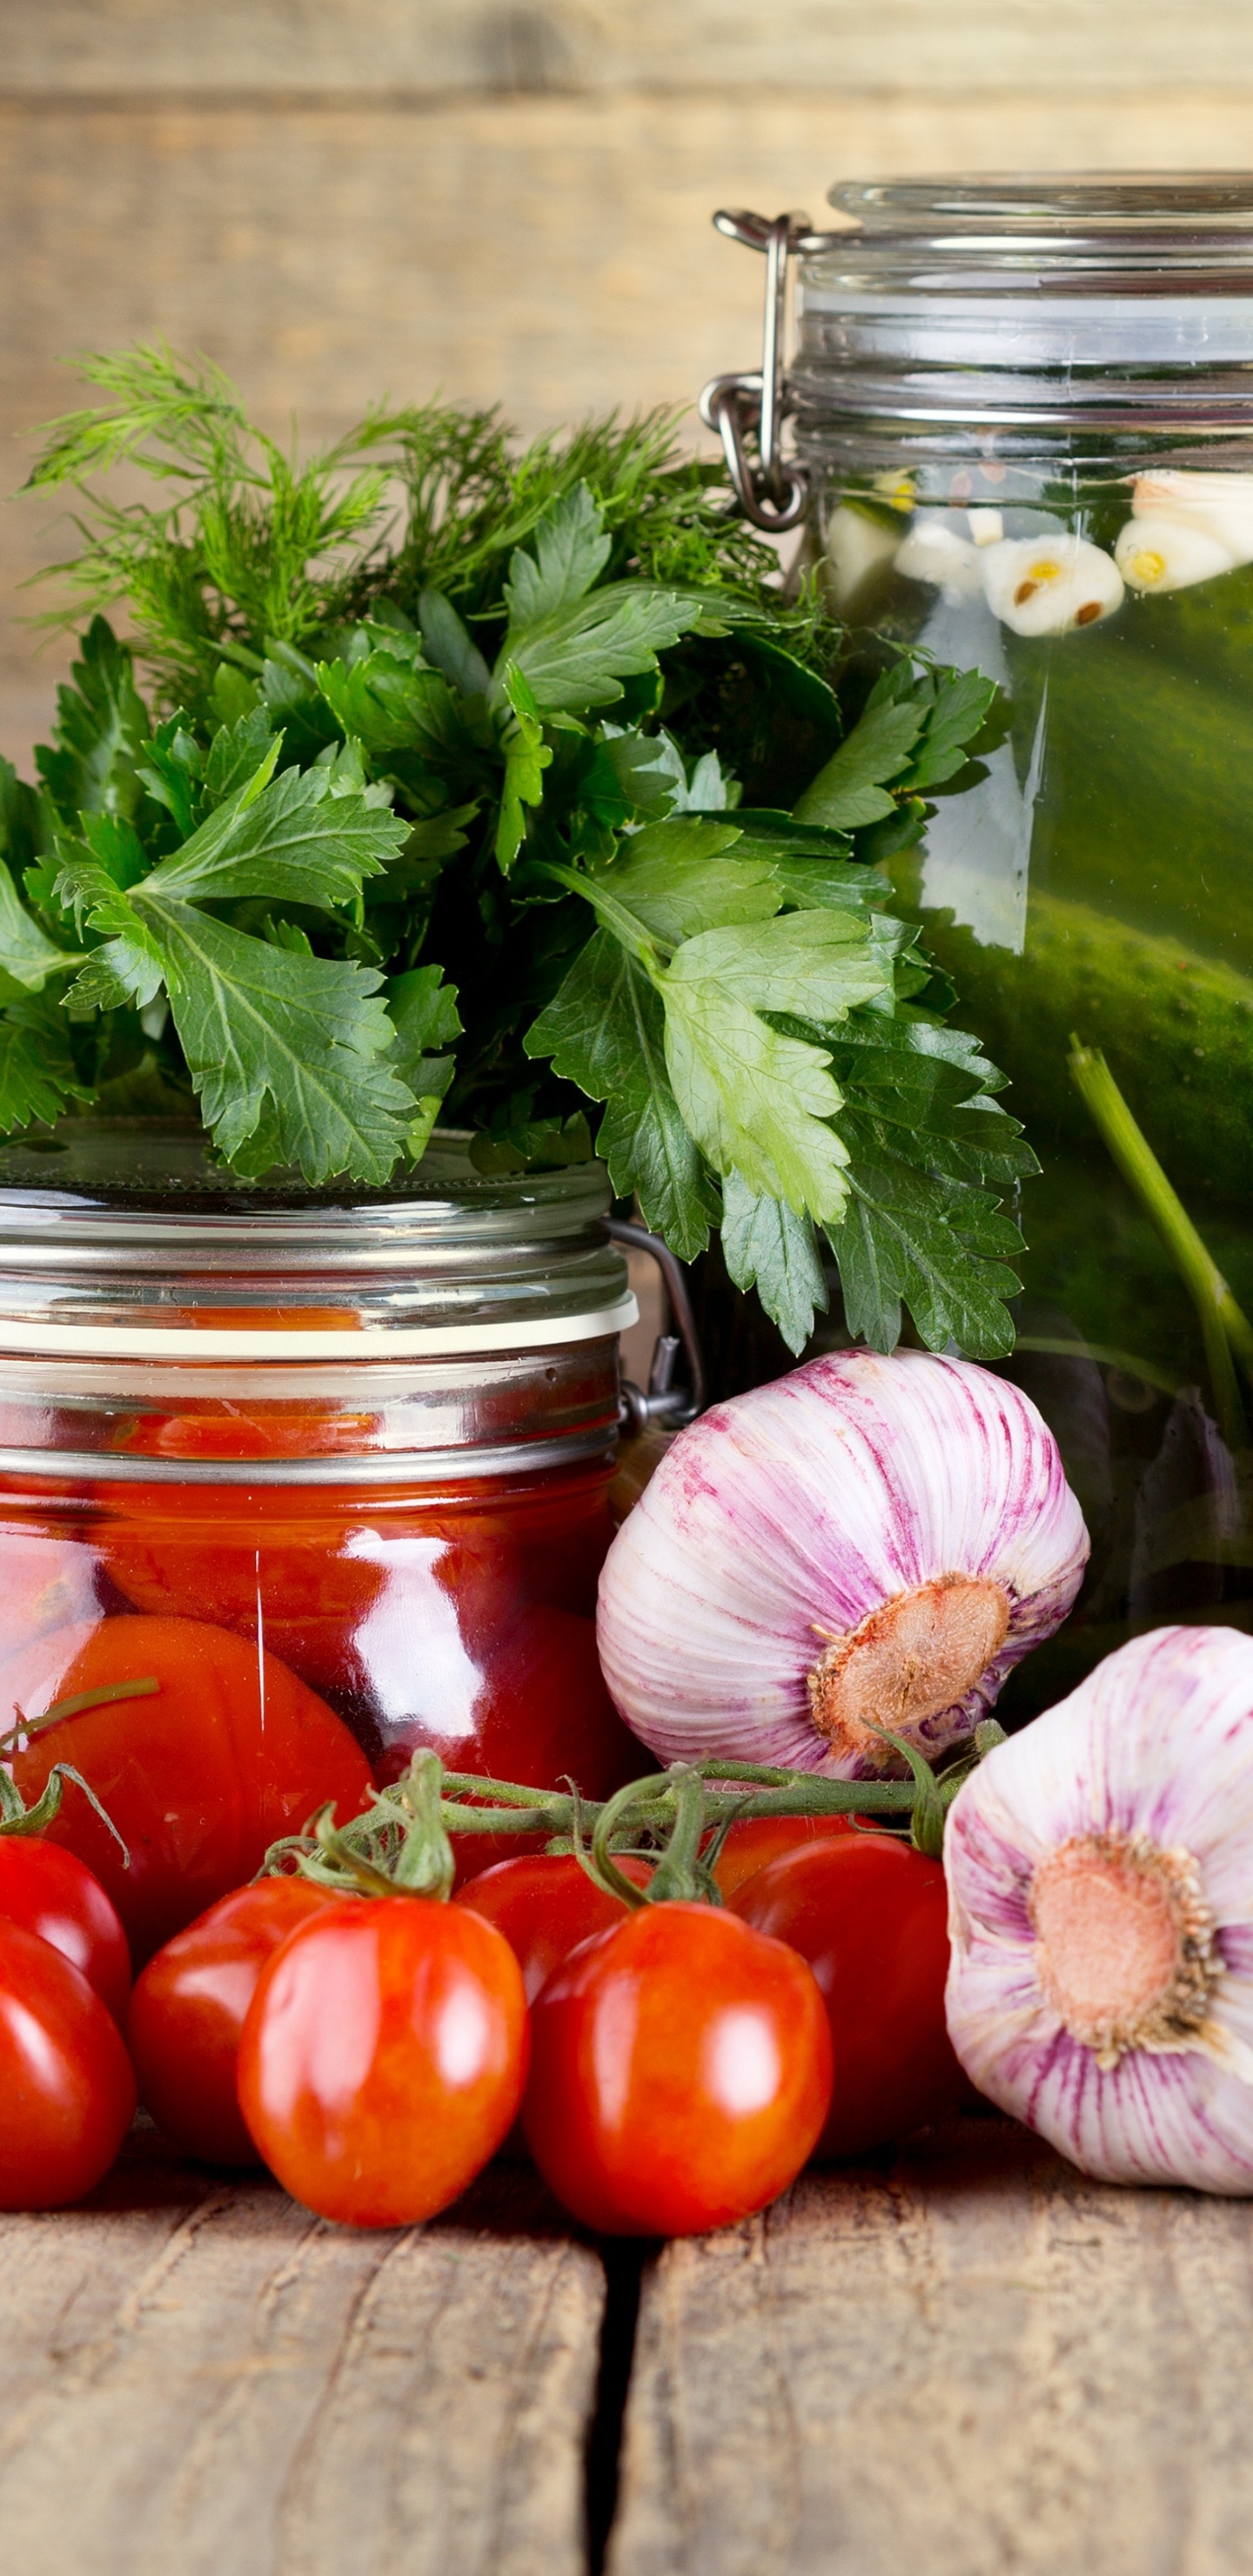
[(1025, 413)]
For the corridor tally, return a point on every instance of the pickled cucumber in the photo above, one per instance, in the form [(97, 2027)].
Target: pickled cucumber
[(1176, 1027)]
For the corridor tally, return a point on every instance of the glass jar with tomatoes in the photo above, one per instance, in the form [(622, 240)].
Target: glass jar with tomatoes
[(292, 1483)]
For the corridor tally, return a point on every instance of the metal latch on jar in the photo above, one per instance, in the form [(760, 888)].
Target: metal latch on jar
[(665, 1406), (773, 492)]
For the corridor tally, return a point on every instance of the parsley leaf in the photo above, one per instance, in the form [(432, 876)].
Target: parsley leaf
[(605, 1030), (285, 1043), (27, 955), (755, 1101), (292, 837), (571, 551), (37, 1070), (678, 879), (849, 790), (906, 1240), (527, 756), (424, 1012), (101, 725), (767, 1247)]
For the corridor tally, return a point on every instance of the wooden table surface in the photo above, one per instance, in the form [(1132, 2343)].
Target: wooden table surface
[(954, 2361)]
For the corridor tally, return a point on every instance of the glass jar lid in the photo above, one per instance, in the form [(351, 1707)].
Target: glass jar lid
[(129, 1240), (1022, 300)]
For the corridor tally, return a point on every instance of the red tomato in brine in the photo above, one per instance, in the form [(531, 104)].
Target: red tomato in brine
[(47, 1579), (188, 2010), (680, 2073), (230, 1752), (870, 1914), (50, 1892), (383, 2057), (67, 2093), (546, 1904)]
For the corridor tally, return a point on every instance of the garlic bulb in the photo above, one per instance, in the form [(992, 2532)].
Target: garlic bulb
[(934, 552), (1165, 554), (1100, 1873), (1045, 585), (866, 1543)]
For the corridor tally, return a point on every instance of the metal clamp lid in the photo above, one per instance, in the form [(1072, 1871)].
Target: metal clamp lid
[(772, 493), (665, 1406)]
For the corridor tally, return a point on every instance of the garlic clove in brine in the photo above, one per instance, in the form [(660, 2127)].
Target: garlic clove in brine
[(934, 552), (1100, 1874), (860, 547), (1218, 506), (866, 1543), (1166, 554), (1046, 585)]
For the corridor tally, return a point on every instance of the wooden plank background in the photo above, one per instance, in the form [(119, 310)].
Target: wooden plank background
[(505, 203), (957, 2360), (198, 2376)]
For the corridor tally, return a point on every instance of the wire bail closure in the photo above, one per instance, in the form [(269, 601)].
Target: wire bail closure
[(773, 492)]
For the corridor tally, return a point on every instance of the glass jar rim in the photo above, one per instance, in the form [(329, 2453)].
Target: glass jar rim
[(142, 1246), (1030, 304), (1183, 205)]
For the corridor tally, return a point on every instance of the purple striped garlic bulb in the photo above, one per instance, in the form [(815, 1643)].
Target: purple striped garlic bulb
[(867, 1543), (1100, 1875)]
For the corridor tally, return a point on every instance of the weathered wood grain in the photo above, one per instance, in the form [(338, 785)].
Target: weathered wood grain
[(971, 2362), (206, 2379), (433, 45)]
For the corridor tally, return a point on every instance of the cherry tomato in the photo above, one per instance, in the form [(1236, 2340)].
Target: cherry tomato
[(67, 2093), (545, 1904), (188, 2010), (870, 1914), (230, 1752), (680, 2075), (50, 1892), (383, 2057), (759, 1839)]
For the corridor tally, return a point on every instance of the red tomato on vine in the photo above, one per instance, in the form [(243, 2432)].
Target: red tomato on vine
[(188, 2009), (383, 2057), (680, 2073), (199, 1776), (50, 1892), (759, 1839), (545, 1904), (67, 2093), (870, 1914)]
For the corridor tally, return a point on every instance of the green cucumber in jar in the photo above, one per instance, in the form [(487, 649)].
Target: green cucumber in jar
[(1176, 1027), (1145, 793)]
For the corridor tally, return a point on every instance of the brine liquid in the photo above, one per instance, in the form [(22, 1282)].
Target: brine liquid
[(1098, 882)]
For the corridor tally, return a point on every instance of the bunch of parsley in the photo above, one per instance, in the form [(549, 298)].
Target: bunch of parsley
[(528, 794)]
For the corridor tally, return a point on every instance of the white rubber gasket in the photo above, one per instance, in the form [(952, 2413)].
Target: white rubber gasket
[(405, 1341)]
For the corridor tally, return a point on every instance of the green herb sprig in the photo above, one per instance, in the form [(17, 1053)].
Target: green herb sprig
[(487, 786)]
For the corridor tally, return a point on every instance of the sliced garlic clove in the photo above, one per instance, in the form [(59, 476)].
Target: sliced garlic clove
[(859, 546), (933, 552), (1046, 585), (987, 527), (1214, 505), (1167, 554)]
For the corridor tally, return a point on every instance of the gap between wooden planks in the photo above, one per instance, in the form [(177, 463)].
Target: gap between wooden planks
[(955, 2362)]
